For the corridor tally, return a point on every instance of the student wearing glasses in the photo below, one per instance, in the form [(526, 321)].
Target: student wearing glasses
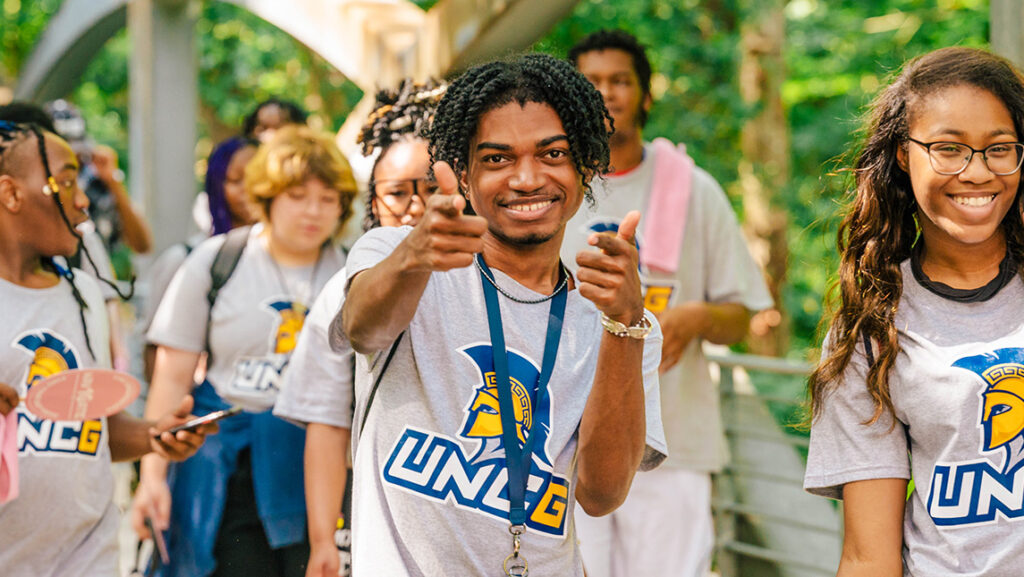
[(922, 371), (318, 386)]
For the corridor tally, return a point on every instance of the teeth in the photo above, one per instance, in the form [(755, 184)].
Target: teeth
[(530, 207), (973, 200)]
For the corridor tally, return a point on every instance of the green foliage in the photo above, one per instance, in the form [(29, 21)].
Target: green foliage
[(242, 61), (20, 26), (838, 54), (693, 49)]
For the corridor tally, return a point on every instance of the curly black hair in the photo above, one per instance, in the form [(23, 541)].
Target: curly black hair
[(538, 78), (615, 39)]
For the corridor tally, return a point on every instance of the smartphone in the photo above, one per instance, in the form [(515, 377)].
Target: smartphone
[(210, 418)]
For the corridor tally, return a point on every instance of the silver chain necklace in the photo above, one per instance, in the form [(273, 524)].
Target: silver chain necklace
[(490, 279), (301, 300)]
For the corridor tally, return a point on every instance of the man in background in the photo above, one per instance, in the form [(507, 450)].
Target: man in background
[(700, 280)]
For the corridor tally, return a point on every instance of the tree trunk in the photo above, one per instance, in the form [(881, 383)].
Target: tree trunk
[(764, 169)]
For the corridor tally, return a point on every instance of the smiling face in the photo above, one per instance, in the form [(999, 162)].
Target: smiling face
[(521, 176), (964, 210), (304, 216)]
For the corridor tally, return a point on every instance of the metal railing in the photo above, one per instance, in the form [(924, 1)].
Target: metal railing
[(765, 524)]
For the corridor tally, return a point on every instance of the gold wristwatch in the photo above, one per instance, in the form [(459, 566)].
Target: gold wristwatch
[(638, 331)]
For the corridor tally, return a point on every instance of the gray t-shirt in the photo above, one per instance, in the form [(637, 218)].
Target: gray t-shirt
[(956, 388), (64, 522), (714, 266), (429, 467), (159, 277), (318, 384), (255, 321)]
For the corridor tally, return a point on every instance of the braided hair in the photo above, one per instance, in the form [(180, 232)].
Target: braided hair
[(402, 113), (12, 136), (537, 78)]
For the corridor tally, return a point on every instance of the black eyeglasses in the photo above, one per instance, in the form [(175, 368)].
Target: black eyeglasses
[(397, 194), (950, 158)]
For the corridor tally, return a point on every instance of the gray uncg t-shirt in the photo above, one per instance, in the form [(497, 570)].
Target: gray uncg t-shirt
[(957, 389), (714, 266), (318, 384), (255, 321), (63, 522), (429, 468)]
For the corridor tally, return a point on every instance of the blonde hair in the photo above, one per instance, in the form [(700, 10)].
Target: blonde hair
[(294, 155)]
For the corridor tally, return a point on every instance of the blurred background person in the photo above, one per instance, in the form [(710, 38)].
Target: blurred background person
[(238, 508), (318, 385), (228, 208), (269, 116), (702, 283), (123, 228)]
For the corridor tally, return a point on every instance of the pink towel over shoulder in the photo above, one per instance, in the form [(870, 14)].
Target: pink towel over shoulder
[(9, 457), (665, 220)]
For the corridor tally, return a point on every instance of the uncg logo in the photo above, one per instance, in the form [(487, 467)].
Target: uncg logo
[(52, 354), (292, 316), (976, 491), (263, 374), (437, 467), (657, 293)]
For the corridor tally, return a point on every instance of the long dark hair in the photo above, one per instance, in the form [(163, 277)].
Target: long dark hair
[(879, 229)]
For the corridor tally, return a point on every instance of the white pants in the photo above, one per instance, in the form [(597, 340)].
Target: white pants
[(663, 529)]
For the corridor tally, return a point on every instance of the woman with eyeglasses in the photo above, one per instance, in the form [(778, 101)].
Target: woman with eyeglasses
[(318, 387), (922, 372)]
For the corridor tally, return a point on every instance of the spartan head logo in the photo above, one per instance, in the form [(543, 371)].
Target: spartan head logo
[(1002, 411), (50, 355), (291, 318), (483, 416)]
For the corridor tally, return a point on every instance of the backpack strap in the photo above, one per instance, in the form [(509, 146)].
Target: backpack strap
[(223, 266), (376, 385)]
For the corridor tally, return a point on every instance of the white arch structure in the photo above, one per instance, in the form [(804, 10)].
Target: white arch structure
[(373, 42)]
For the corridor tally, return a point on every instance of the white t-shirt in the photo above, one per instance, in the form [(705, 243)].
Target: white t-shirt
[(429, 467), (64, 522), (318, 385), (956, 360), (255, 321), (714, 266)]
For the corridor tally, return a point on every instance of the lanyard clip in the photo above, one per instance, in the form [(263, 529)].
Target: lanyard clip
[(515, 565)]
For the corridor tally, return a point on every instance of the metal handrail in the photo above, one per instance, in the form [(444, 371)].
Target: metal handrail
[(729, 506), (761, 364)]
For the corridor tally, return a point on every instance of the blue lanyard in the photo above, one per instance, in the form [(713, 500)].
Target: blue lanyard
[(519, 458)]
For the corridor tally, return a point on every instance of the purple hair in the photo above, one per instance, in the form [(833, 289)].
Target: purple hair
[(216, 174)]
